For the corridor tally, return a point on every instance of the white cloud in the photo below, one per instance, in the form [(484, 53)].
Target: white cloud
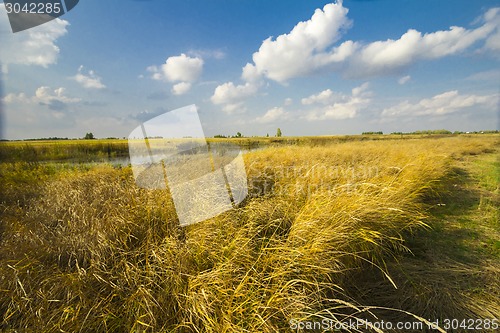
[(272, 115), (181, 88), (304, 49), (492, 43), (391, 56), (55, 100), (442, 104), (44, 94), (325, 97), (35, 46), (228, 93), (250, 73), (339, 106), (90, 81), (16, 98), (288, 101), (490, 75), (182, 69), (178, 68), (216, 54), (404, 79), (361, 91), (310, 48), (234, 108)]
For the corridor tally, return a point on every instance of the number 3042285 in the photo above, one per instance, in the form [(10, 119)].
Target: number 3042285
[(34, 8)]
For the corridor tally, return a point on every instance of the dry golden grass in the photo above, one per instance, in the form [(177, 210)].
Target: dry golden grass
[(89, 251)]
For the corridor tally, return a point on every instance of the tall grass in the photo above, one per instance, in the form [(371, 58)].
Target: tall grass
[(89, 251), (102, 149), (76, 150)]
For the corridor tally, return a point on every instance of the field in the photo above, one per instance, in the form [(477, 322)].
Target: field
[(335, 229), (98, 150)]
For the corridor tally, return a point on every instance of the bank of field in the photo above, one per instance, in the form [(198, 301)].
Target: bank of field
[(336, 231), (63, 150), (100, 150)]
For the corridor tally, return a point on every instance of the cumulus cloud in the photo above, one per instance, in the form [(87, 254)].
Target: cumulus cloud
[(89, 81), (178, 68), (55, 100), (44, 94), (228, 93), (231, 96), (181, 88), (36, 46), (313, 46), (336, 105), (391, 56), (272, 115), (16, 98), (305, 48), (310, 47), (325, 97), (250, 73), (182, 69), (442, 104)]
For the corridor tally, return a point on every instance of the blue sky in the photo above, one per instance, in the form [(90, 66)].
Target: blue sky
[(308, 67)]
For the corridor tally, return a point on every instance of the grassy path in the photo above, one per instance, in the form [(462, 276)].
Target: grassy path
[(453, 271), (470, 211)]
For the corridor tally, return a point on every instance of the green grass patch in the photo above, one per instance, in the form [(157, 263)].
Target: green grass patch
[(453, 269)]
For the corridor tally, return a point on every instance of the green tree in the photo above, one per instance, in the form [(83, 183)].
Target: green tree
[(278, 132), (89, 136), (238, 135)]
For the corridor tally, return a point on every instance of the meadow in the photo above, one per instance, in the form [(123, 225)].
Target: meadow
[(335, 229)]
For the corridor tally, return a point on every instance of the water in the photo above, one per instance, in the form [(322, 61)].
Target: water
[(123, 161)]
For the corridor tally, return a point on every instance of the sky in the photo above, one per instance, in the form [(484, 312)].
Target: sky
[(308, 67)]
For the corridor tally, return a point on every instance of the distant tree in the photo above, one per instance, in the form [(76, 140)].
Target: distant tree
[(239, 135), (373, 133), (441, 131), (89, 136), (278, 132), (267, 135)]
